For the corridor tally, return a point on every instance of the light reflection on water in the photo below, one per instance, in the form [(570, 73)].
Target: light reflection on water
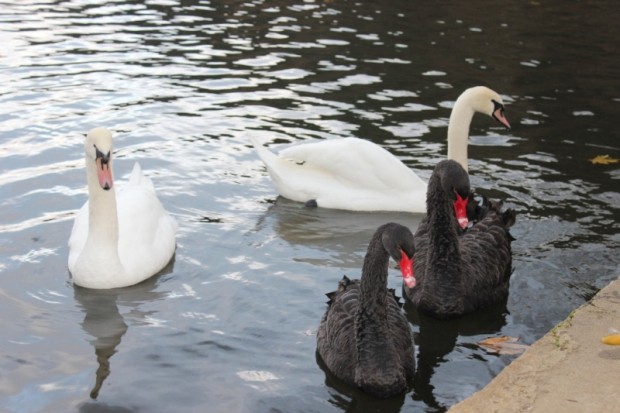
[(230, 325)]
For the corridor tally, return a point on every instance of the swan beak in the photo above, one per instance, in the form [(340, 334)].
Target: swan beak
[(406, 268), (498, 115), (460, 209), (104, 174)]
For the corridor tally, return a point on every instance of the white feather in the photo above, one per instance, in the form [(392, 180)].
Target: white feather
[(358, 175), (145, 233)]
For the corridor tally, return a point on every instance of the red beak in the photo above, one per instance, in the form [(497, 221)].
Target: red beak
[(460, 209), (406, 268)]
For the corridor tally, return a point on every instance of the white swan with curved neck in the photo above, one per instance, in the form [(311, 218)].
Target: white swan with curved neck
[(118, 239), (357, 175)]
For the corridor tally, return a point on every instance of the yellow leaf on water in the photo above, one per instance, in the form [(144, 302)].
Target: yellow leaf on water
[(603, 160), (503, 345), (612, 339), (494, 341)]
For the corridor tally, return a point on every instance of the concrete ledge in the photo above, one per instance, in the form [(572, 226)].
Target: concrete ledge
[(569, 370)]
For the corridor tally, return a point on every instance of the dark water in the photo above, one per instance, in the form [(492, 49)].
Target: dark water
[(230, 325)]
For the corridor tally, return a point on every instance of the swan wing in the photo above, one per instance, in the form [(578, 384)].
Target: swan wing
[(147, 233), (79, 233), (487, 255), (355, 162), (401, 334), (336, 335)]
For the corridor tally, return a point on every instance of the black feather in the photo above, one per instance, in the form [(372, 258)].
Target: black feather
[(364, 338), (460, 271)]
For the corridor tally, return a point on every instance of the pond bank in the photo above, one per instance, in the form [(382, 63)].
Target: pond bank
[(568, 370)]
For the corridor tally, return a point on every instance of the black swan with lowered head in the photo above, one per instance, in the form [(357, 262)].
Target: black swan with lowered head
[(456, 271), (364, 337)]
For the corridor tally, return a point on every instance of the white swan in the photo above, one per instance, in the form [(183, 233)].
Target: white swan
[(358, 175), (120, 239)]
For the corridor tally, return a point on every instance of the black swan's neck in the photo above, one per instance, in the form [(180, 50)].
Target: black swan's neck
[(444, 259), (377, 363), (373, 286)]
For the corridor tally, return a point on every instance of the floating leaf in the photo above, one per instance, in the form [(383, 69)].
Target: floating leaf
[(612, 339), (503, 345), (603, 160)]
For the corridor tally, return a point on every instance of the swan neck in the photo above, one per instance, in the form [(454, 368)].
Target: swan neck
[(373, 286), (444, 253), (102, 213), (458, 131), (378, 365)]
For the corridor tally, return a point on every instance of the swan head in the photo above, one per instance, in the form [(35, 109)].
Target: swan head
[(455, 183), (489, 102), (98, 148), (398, 242)]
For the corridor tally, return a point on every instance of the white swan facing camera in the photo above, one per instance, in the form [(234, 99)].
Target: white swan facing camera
[(118, 238)]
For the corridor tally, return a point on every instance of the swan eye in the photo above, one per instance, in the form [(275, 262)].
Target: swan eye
[(105, 158)]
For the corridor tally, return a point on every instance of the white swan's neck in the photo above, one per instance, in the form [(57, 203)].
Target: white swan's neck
[(458, 130), (102, 218)]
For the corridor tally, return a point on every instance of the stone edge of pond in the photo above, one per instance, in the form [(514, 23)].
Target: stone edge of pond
[(568, 370)]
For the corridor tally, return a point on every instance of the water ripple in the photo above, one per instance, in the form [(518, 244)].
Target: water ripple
[(183, 85)]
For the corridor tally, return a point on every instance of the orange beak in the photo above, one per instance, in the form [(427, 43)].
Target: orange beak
[(104, 174), (498, 114)]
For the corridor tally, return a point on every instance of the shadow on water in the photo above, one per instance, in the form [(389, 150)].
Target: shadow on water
[(106, 326), (328, 229), (438, 338), (104, 323), (103, 408)]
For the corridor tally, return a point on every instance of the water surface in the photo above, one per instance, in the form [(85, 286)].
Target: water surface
[(230, 325)]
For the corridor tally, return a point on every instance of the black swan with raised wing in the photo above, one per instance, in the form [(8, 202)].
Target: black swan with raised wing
[(458, 271), (364, 337)]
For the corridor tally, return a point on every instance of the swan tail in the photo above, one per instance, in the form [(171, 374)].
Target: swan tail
[(137, 178), (508, 217), (279, 169), (268, 157)]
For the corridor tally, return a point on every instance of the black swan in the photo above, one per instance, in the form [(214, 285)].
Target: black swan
[(458, 271), (364, 337)]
